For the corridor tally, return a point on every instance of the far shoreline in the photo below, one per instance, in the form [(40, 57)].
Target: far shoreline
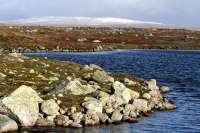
[(114, 50)]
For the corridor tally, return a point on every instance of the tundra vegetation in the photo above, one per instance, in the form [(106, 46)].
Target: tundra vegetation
[(42, 39)]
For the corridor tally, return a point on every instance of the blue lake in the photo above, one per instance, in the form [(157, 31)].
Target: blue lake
[(180, 70)]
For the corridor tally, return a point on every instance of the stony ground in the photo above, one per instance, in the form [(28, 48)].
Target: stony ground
[(42, 92)]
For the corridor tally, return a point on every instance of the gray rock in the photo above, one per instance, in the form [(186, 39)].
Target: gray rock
[(76, 125), (168, 106), (122, 91), (102, 117), (62, 120), (7, 124), (116, 116), (2, 75), (128, 108), (102, 77), (93, 105), (77, 117), (146, 96), (87, 68), (23, 103), (76, 88), (91, 118), (152, 85), (50, 107), (53, 78), (43, 122), (129, 82), (32, 71), (95, 67), (140, 105)]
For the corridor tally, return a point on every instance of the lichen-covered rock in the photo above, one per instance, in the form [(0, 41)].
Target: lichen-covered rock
[(122, 91), (43, 122), (140, 105), (50, 107), (7, 124), (93, 105), (2, 75), (76, 125), (129, 82), (134, 94), (23, 103), (102, 77), (146, 96), (129, 112), (62, 120), (76, 88), (152, 85), (103, 117), (91, 118), (116, 116), (77, 117), (93, 66)]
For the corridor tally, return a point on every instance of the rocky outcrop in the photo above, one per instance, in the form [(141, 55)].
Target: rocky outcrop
[(24, 103), (86, 98), (7, 124)]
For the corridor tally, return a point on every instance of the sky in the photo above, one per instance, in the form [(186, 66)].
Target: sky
[(175, 12)]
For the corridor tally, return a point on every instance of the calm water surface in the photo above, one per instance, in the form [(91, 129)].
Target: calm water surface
[(179, 70)]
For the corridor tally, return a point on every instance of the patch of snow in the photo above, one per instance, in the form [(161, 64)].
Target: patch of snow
[(81, 21)]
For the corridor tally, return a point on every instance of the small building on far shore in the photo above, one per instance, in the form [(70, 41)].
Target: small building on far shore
[(97, 41)]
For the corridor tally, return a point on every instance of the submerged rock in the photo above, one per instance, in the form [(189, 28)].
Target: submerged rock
[(23, 103), (164, 89), (168, 106), (7, 124)]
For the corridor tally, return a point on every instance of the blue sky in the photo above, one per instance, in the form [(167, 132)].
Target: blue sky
[(178, 12)]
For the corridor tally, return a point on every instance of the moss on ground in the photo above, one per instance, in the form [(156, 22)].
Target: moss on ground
[(45, 76)]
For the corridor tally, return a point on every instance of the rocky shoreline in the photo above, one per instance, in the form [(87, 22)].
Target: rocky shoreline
[(48, 93)]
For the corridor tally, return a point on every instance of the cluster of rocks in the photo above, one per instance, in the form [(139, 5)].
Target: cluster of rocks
[(25, 108)]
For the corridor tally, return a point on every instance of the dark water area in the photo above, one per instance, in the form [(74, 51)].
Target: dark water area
[(180, 70)]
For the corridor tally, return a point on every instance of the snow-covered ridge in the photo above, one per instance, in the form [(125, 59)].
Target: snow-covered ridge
[(81, 21)]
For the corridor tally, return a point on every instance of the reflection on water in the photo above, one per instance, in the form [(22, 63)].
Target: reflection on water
[(179, 70)]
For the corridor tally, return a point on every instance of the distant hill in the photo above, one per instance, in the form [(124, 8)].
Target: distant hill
[(84, 21)]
